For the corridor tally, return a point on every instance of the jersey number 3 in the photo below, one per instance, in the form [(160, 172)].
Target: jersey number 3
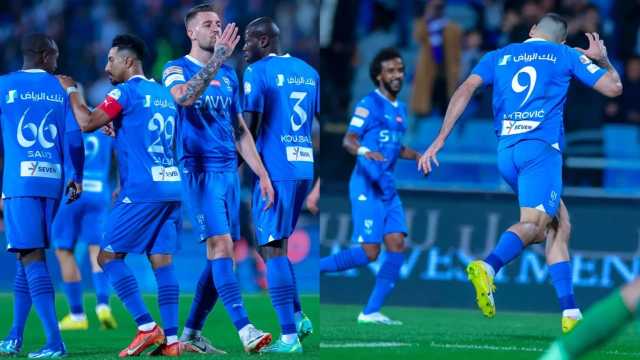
[(298, 95)]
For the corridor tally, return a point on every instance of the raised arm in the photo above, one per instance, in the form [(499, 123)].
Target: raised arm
[(187, 93), (458, 103), (609, 84)]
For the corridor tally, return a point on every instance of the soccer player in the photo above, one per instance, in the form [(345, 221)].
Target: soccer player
[(374, 137), (530, 82), (146, 215), (84, 219), (601, 322), (281, 97), (39, 133), (210, 130)]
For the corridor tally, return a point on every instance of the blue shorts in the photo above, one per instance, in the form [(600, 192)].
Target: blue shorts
[(533, 169), (279, 221), (213, 199), (374, 218), (149, 228), (28, 221), (82, 219)]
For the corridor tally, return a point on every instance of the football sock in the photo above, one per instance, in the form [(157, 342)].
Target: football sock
[(73, 290), (168, 295), (126, 287), (229, 291), (21, 302), (601, 322), (297, 306), (43, 297), (508, 248), (344, 260), (562, 280), (281, 290), (204, 299), (101, 285), (385, 281)]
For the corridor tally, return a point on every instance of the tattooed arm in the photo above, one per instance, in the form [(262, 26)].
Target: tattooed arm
[(186, 94)]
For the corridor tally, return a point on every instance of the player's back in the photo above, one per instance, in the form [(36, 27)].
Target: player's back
[(530, 82), (145, 142), (286, 90), (34, 115), (97, 165)]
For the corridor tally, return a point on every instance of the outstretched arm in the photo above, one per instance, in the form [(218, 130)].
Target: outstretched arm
[(187, 93), (458, 103)]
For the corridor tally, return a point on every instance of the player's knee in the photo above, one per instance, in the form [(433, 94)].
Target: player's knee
[(272, 249), (29, 256), (63, 253), (372, 252), (531, 232), (219, 246), (158, 261), (105, 257)]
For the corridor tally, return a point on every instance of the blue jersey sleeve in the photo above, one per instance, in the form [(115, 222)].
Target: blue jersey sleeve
[(362, 118), (253, 99), (486, 67), (70, 123), (75, 147), (318, 94), (582, 68), (236, 108), (172, 75)]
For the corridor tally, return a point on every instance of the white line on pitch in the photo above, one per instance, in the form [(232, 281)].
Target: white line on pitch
[(363, 345), (513, 348)]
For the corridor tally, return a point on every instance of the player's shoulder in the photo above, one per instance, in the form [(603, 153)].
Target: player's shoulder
[(179, 62)]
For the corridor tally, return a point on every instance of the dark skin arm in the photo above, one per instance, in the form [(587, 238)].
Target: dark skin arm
[(409, 154), (351, 143), (253, 121), (87, 120)]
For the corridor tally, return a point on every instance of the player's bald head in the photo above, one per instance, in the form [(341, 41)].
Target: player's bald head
[(263, 26), (261, 37), (552, 27), (39, 50)]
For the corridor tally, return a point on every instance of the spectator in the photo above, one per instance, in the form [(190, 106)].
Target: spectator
[(627, 107), (438, 63)]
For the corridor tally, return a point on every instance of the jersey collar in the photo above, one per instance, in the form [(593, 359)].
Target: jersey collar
[(194, 60), (140, 77), (394, 103), (33, 70), (276, 55), (535, 39)]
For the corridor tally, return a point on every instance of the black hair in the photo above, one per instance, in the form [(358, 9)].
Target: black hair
[(130, 42), (383, 55), (35, 43), (197, 9)]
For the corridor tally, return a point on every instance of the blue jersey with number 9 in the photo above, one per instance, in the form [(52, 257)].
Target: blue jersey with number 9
[(286, 90), (530, 82)]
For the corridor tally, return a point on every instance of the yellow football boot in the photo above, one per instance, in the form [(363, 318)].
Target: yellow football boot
[(482, 281), (568, 323), (107, 321), (69, 323)]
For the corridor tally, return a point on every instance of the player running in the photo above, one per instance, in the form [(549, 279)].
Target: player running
[(146, 216), (40, 136), (281, 97), (84, 219), (530, 82), (210, 130), (374, 137)]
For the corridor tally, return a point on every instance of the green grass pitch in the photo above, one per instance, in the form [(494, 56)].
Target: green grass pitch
[(105, 344), (430, 333)]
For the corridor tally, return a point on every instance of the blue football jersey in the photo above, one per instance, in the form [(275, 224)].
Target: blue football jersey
[(98, 148), (530, 82), (286, 90), (145, 128), (380, 125), (205, 129), (35, 115)]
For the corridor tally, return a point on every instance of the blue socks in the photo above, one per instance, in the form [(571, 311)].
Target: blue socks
[(73, 290), (43, 298), (385, 281), (168, 294), (297, 306), (281, 290), (344, 260), (126, 287), (21, 302), (561, 277), (508, 248), (101, 285), (229, 290), (203, 300)]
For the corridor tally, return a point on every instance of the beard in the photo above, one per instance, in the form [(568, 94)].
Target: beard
[(393, 87)]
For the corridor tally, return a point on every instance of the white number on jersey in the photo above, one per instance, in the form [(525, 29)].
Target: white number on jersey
[(518, 88), (164, 129), (37, 132), (298, 95)]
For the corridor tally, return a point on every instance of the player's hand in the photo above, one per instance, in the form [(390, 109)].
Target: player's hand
[(73, 191), (312, 202), (424, 163), (266, 192), (596, 51), (374, 155), (108, 129), (66, 81), (228, 40)]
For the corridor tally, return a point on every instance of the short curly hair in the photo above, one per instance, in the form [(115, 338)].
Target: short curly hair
[(375, 68)]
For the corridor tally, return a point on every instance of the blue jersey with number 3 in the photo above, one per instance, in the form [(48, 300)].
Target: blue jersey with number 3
[(145, 141), (286, 90), (530, 82)]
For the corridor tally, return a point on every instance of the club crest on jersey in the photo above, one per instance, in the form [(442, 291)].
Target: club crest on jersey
[(279, 80), (115, 93), (399, 119), (504, 60), (227, 82), (368, 226), (247, 87), (11, 96)]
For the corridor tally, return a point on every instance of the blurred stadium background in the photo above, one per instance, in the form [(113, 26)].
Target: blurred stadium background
[(83, 30), (456, 214)]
